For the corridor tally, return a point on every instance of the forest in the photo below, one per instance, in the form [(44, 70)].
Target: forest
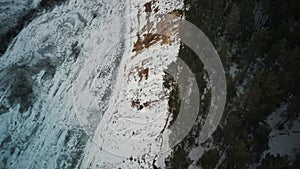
[(258, 42)]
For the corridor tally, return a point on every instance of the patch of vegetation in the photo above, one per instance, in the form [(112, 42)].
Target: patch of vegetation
[(265, 48), (209, 159), (180, 159), (174, 99)]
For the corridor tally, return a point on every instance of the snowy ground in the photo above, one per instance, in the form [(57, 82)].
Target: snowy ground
[(75, 61), (12, 11), (283, 142), (129, 134)]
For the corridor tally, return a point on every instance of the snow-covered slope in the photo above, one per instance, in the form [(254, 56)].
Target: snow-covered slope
[(83, 60), (12, 11), (132, 132)]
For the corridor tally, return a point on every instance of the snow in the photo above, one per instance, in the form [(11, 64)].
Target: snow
[(285, 142), (12, 11), (124, 131), (49, 135), (233, 70), (195, 154), (87, 87)]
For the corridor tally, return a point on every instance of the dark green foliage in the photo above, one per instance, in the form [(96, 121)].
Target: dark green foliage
[(195, 64), (260, 41), (262, 97), (209, 159), (179, 160), (238, 156), (267, 54), (206, 15), (260, 139), (174, 99), (296, 163), (274, 162)]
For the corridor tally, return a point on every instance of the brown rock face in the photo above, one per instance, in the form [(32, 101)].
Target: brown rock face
[(143, 73)]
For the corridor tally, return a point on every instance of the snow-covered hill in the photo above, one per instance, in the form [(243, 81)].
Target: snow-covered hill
[(82, 87)]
